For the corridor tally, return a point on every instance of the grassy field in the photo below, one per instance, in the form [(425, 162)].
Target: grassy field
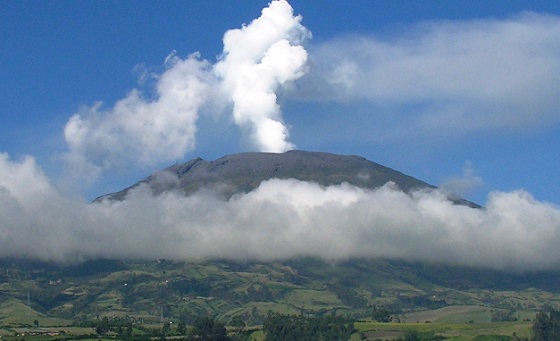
[(15, 313), (451, 331), (451, 314), (313, 299)]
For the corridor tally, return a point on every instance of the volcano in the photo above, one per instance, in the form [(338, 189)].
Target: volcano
[(242, 173)]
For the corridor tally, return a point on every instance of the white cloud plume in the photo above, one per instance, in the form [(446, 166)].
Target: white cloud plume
[(457, 76), (257, 59), (138, 130), (280, 219)]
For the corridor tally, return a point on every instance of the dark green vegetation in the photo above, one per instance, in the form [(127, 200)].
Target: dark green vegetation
[(279, 327), (547, 326), (456, 300)]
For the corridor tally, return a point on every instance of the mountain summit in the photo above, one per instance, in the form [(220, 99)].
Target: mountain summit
[(241, 173)]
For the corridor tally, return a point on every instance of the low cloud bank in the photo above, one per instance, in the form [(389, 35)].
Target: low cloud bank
[(279, 220)]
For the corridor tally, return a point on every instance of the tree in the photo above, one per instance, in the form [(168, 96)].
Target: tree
[(182, 328), (128, 331), (165, 329), (381, 314), (208, 329), (103, 326), (503, 316), (278, 327), (237, 322), (546, 326)]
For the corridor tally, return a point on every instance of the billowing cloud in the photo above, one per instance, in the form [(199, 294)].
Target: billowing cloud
[(257, 59), (446, 76), (281, 219), (139, 130), (149, 129)]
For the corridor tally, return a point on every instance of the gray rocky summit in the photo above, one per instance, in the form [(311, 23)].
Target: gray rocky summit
[(241, 173)]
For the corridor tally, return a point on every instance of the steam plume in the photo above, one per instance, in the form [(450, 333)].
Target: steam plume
[(257, 59)]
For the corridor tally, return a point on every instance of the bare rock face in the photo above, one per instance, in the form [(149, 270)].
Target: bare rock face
[(241, 173)]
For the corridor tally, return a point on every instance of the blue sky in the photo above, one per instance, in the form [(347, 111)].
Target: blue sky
[(60, 56)]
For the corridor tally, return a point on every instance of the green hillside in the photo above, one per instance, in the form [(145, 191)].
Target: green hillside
[(179, 291)]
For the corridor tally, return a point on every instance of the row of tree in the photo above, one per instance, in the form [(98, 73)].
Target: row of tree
[(276, 327), (203, 328), (279, 327)]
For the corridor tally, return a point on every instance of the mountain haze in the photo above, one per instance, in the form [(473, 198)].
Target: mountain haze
[(242, 173)]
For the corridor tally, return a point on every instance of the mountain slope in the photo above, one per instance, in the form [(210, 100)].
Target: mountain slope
[(144, 291), (244, 172)]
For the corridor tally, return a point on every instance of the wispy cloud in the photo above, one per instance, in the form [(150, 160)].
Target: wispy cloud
[(446, 76), (464, 184)]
